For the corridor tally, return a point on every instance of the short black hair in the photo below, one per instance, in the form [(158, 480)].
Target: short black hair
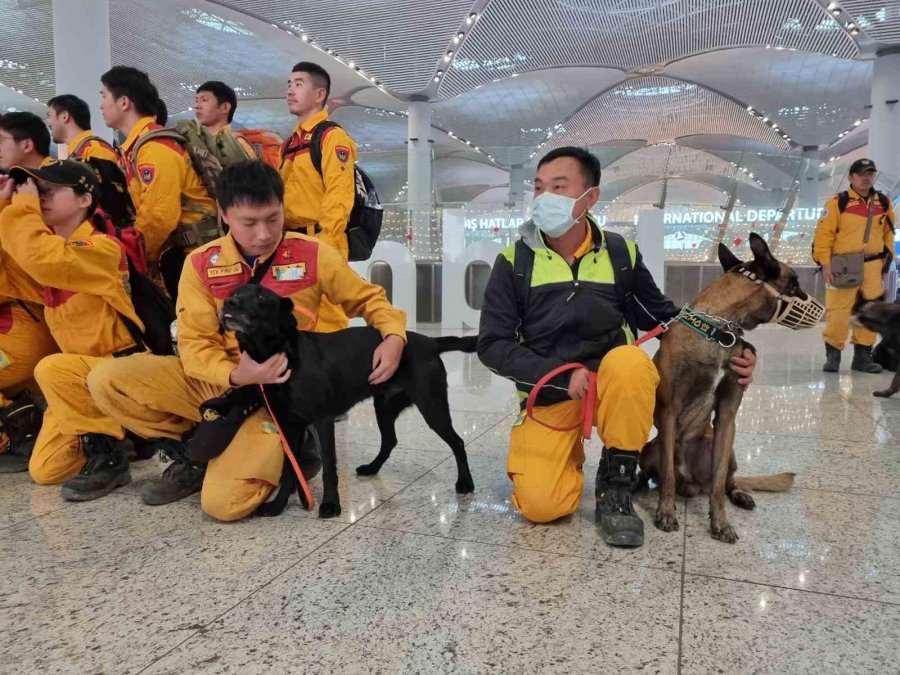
[(136, 85), (24, 126), (162, 112), (590, 165), (249, 182), (223, 94), (320, 76), (77, 108)]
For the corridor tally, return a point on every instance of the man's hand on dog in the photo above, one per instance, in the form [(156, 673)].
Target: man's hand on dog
[(386, 359), (743, 366), (272, 371), (579, 384)]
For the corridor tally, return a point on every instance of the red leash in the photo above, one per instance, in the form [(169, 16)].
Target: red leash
[(589, 402), (284, 442)]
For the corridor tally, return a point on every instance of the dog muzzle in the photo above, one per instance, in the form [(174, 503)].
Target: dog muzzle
[(791, 312), (797, 314)]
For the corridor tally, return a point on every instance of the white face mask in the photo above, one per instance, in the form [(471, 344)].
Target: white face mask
[(552, 213)]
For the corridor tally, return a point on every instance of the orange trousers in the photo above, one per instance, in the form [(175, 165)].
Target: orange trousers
[(839, 305), (545, 466)]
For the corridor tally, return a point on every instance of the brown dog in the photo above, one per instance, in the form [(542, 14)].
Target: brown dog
[(698, 389)]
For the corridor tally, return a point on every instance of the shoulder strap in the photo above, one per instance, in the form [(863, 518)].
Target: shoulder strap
[(158, 134), (623, 273), (315, 143), (76, 152), (522, 271), (870, 214), (843, 200)]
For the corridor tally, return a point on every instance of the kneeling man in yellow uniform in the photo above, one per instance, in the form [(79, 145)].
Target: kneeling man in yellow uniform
[(159, 397)]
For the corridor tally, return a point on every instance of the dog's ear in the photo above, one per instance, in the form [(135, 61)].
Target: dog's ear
[(728, 259), (287, 306), (764, 257)]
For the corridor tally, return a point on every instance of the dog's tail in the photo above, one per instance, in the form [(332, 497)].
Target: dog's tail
[(776, 482), (457, 344)]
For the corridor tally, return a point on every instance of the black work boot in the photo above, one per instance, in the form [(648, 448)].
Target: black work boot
[(180, 479), (616, 477), (832, 359), (862, 360), (21, 420), (105, 469)]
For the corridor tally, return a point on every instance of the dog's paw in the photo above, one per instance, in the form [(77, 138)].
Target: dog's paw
[(367, 470), (329, 510), (667, 522), (268, 510), (887, 393), (465, 485), (742, 499), (724, 533)]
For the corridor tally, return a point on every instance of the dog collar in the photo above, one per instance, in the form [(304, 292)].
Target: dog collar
[(714, 328)]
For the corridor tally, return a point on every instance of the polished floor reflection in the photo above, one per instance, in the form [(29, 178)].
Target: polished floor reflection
[(413, 578)]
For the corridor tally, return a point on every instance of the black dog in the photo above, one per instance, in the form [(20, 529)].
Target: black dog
[(882, 318), (329, 375)]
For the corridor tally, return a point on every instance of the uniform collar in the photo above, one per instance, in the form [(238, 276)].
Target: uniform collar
[(136, 131), (311, 123), (230, 254), (46, 161), (83, 231), (855, 195), (84, 135)]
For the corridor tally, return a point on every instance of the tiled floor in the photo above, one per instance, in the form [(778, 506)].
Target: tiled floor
[(413, 578)]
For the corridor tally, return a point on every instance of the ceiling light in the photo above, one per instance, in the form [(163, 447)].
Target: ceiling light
[(437, 79), (750, 108), (854, 31), (832, 6), (448, 56), (775, 128), (765, 119), (351, 64), (836, 12)]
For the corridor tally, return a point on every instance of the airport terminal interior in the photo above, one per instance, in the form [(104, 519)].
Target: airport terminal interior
[(711, 120)]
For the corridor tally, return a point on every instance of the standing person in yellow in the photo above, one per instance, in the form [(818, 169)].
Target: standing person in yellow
[(160, 397), (69, 119), (47, 230), (24, 336), (174, 210), (857, 223), (318, 203), (214, 107)]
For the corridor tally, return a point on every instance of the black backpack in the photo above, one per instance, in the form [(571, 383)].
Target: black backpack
[(153, 307), (844, 199), (623, 273), (364, 224)]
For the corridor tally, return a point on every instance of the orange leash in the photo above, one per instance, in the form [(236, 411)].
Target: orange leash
[(588, 403), (284, 442)]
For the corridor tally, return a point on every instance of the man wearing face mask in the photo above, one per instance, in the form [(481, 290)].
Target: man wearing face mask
[(552, 300)]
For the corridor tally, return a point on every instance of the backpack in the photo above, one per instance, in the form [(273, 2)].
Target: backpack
[(844, 199), (208, 157), (154, 308), (364, 224), (266, 144), (623, 273)]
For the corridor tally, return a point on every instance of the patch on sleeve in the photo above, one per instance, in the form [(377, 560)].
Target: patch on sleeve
[(80, 243), (147, 172), (343, 153)]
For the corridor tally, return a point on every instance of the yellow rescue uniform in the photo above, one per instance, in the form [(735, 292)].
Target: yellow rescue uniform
[(165, 189), (85, 286), (24, 336), (159, 397), (83, 149), (320, 205), (839, 233)]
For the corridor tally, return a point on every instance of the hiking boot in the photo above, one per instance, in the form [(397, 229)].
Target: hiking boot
[(832, 359), (862, 360), (180, 479), (616, 477), (21, 420), (105, 469)]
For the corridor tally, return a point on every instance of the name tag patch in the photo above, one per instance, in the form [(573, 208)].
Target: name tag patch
[(213, 272), (292, 272)]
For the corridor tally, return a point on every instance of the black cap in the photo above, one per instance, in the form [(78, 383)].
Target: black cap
[(65, 172), (862, 165)]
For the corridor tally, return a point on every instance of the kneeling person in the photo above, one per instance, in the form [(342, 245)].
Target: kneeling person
[(47, 231), (159, 397)]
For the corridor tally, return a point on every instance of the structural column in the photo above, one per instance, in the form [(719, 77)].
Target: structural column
[(884, 123), (419, 179), (81, 52), (517, 186), (808, 175)]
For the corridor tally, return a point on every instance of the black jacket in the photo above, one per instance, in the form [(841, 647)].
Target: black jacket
[(573, 313)]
